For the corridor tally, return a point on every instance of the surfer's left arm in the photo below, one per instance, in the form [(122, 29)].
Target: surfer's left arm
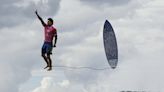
[(55, 41)]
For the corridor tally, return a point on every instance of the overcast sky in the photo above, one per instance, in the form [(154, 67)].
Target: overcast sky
[(138, 25)]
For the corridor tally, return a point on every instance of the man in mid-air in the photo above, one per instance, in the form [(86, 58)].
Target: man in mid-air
[(49, 32)]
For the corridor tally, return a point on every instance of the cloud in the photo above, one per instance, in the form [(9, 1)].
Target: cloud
[(81, 40), (19, 53), (140, 41), (15, 12), (17, 56), (12, 77), (139, 33), (140, 44), (105, 2), (85, 15), (49, 85)]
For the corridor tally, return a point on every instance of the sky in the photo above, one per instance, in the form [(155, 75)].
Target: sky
[(139, 32)]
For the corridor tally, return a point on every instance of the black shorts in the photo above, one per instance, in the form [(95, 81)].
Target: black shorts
[(47, 48)]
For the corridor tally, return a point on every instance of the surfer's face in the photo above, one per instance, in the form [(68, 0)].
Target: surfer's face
[(49, 23)]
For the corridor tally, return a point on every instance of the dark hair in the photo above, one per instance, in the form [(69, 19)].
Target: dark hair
[(50, 19)]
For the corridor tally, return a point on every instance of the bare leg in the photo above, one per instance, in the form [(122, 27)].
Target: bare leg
[(46, 60), (50, 62)]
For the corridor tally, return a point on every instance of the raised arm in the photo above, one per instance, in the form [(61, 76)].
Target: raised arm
[(44, 24)]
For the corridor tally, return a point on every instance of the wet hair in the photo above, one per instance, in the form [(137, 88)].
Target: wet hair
[(50, 19)]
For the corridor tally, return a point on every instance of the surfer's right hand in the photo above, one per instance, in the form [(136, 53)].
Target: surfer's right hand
[(36, 12), (54, 45)]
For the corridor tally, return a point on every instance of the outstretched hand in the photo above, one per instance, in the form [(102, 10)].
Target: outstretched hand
[(36, 12)]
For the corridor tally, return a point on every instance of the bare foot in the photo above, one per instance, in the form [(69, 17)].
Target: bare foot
[(50, 68), (46, 67)]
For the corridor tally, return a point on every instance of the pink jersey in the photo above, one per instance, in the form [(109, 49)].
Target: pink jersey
[(49, 33)]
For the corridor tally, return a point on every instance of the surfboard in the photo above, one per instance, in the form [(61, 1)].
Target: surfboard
[(110, 44)]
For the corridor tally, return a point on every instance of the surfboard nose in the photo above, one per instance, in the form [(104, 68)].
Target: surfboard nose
[(106, 21), (108, 26)]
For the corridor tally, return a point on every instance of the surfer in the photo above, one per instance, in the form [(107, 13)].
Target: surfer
[(49, 33)]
